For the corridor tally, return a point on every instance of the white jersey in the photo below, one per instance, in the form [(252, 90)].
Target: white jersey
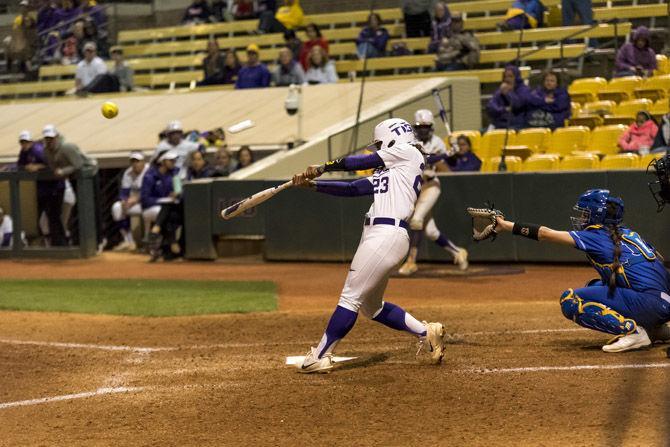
[(397, 186), (6, 227), (434, 146), (183, 149), (133, 182)]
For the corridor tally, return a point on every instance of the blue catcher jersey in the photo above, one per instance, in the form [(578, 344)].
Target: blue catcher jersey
[(641, 270)]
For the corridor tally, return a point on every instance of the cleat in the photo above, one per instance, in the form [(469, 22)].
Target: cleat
[(636, 340), (461, 259), (433, 342), (662, 333), (408, 268), (123, 246), (312, 364)]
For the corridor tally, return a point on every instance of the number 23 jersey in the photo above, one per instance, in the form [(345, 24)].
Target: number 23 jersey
[(397, 186)]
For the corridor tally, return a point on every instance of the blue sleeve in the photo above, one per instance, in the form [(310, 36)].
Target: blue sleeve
[(473, 163), (148, 200), (6, 240), (592, 243), (360, 187), (381, 39), (363, 162), (434, 158)]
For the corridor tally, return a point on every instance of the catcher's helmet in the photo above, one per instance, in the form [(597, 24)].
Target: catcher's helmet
[(391, 132), (660, 189), (597, 207), (423, 124)]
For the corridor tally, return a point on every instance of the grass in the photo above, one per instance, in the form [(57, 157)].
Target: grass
[(138, 297)]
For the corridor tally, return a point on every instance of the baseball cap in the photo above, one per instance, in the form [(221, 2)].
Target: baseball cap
[(49, 131), (136, 155), (90, 46), (24, 3), (174, 126), (168, 155), (25, 136), (116, 49), (253, 48)]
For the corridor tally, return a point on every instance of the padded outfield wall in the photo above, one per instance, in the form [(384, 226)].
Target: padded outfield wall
[(301, 225)]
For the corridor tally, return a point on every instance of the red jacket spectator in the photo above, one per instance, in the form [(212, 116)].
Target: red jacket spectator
[(640, 134), (314, 38)]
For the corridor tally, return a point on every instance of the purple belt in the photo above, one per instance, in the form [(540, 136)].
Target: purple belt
[(387, 221)]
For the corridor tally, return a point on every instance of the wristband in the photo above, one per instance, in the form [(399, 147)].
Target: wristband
[(529, 230)]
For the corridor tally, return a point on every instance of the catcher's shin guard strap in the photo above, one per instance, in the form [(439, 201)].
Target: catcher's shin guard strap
[(529, 230), (596, 316)]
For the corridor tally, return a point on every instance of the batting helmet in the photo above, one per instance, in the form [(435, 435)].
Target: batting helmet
[(391, 132)]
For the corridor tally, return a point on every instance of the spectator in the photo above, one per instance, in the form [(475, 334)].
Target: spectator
[(371, 42), (214, 138), (460, 51), (66, 14), (224, 164), (321, 70), (314, 39), (549, 105), (47, 16), (254, 74), (213, 65), (507, 107), (93, 34), (464, 159), (175, 142), (636, 58), (524, 14), (220, 11), (287, 71), (441, 26), (95, 12), (662, 140), (639, 137), (417, 17), (243, 10), (245, 157), (293, 43), (122, 71), (23, 40), (231, 67), (91, 75), (289, 16), (197, 12), (6, 230), (583, 8), (129, 200), (198, 167)]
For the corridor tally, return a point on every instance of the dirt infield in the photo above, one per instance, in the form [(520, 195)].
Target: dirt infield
[(516, 372)]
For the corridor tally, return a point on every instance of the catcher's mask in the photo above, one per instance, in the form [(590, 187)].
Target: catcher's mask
[(597, 207), (660, 189)]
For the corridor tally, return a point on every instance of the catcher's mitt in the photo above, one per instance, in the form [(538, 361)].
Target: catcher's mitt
[(484, 222)]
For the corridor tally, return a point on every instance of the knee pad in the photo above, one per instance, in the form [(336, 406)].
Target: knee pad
[(594, 315)]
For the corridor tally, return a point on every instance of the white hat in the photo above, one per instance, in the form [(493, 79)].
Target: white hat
[(49, 131), (24, 3), (136, 155), (424, 117), (393, 131), (25, 136), (174, 126), (168, 155)]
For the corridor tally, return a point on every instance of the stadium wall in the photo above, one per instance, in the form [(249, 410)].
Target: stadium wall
[(300, 225)]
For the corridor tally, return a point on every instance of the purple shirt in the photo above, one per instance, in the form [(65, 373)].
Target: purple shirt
[(35, 155)]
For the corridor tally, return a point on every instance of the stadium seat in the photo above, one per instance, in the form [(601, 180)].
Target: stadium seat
[(579, 162), (474, 135), (575, 108), (493, 141), (586, 89), (663, 65), (654, 88), (660, 107), (604, 139), (541, 162), (565, 140), (534, 138), (620, 89), (620, 161), (590, 121), (630, 108), (646, 159), (513, 163), (598, 108)]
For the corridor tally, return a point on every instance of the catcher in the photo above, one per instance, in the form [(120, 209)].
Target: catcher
[(631, 298), (660, 189)]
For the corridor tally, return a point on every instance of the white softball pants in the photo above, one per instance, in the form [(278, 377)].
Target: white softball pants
[(149, 215), (430, 192), (119, 215), (381, 250)]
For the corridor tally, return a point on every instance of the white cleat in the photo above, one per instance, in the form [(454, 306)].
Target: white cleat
[(461, 259), (408, 268), (123, 246), (662, 333), (636, 340), (312, 364), (434, 341)]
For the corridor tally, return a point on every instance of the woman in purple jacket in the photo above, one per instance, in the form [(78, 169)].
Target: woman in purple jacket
[(372, 40), (549, 105), (507, 107), (636, 58)]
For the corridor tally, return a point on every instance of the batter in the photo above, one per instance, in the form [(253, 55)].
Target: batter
[(395, 185)]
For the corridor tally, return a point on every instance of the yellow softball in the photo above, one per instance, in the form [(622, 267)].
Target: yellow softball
[(110, 110)]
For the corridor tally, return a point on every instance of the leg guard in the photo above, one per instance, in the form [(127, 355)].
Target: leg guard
[(596, 316)]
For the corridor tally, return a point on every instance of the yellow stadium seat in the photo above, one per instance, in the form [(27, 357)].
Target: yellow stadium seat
[(586, 89), (474, 135), (579, 162), (630, 108), (541, 162), (646, 159), (575, 108), (663, 65), (604, 139), (513, 163), (534, 138), (620, 89), (660, 107), (620, 161), (654, 88), (564, 140), (493, 141), (598, 108)]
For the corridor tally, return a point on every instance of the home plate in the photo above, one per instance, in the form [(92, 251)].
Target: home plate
[(298, 359)]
